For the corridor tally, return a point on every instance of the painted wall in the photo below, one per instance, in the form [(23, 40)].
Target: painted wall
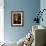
[(30, 7), (43, 6)]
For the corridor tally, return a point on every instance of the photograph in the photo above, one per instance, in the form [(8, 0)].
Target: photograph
[(17, 18)]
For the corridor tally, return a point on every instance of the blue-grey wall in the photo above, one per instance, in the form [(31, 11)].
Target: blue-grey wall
[(30, 7), (43, 6)]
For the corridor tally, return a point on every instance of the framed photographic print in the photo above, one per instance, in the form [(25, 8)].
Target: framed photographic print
[(17, 18)]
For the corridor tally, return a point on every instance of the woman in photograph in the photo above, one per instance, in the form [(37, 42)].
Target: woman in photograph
[(17, 19)]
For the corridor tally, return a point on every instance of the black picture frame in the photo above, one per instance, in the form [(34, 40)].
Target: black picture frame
[(17, 18)]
